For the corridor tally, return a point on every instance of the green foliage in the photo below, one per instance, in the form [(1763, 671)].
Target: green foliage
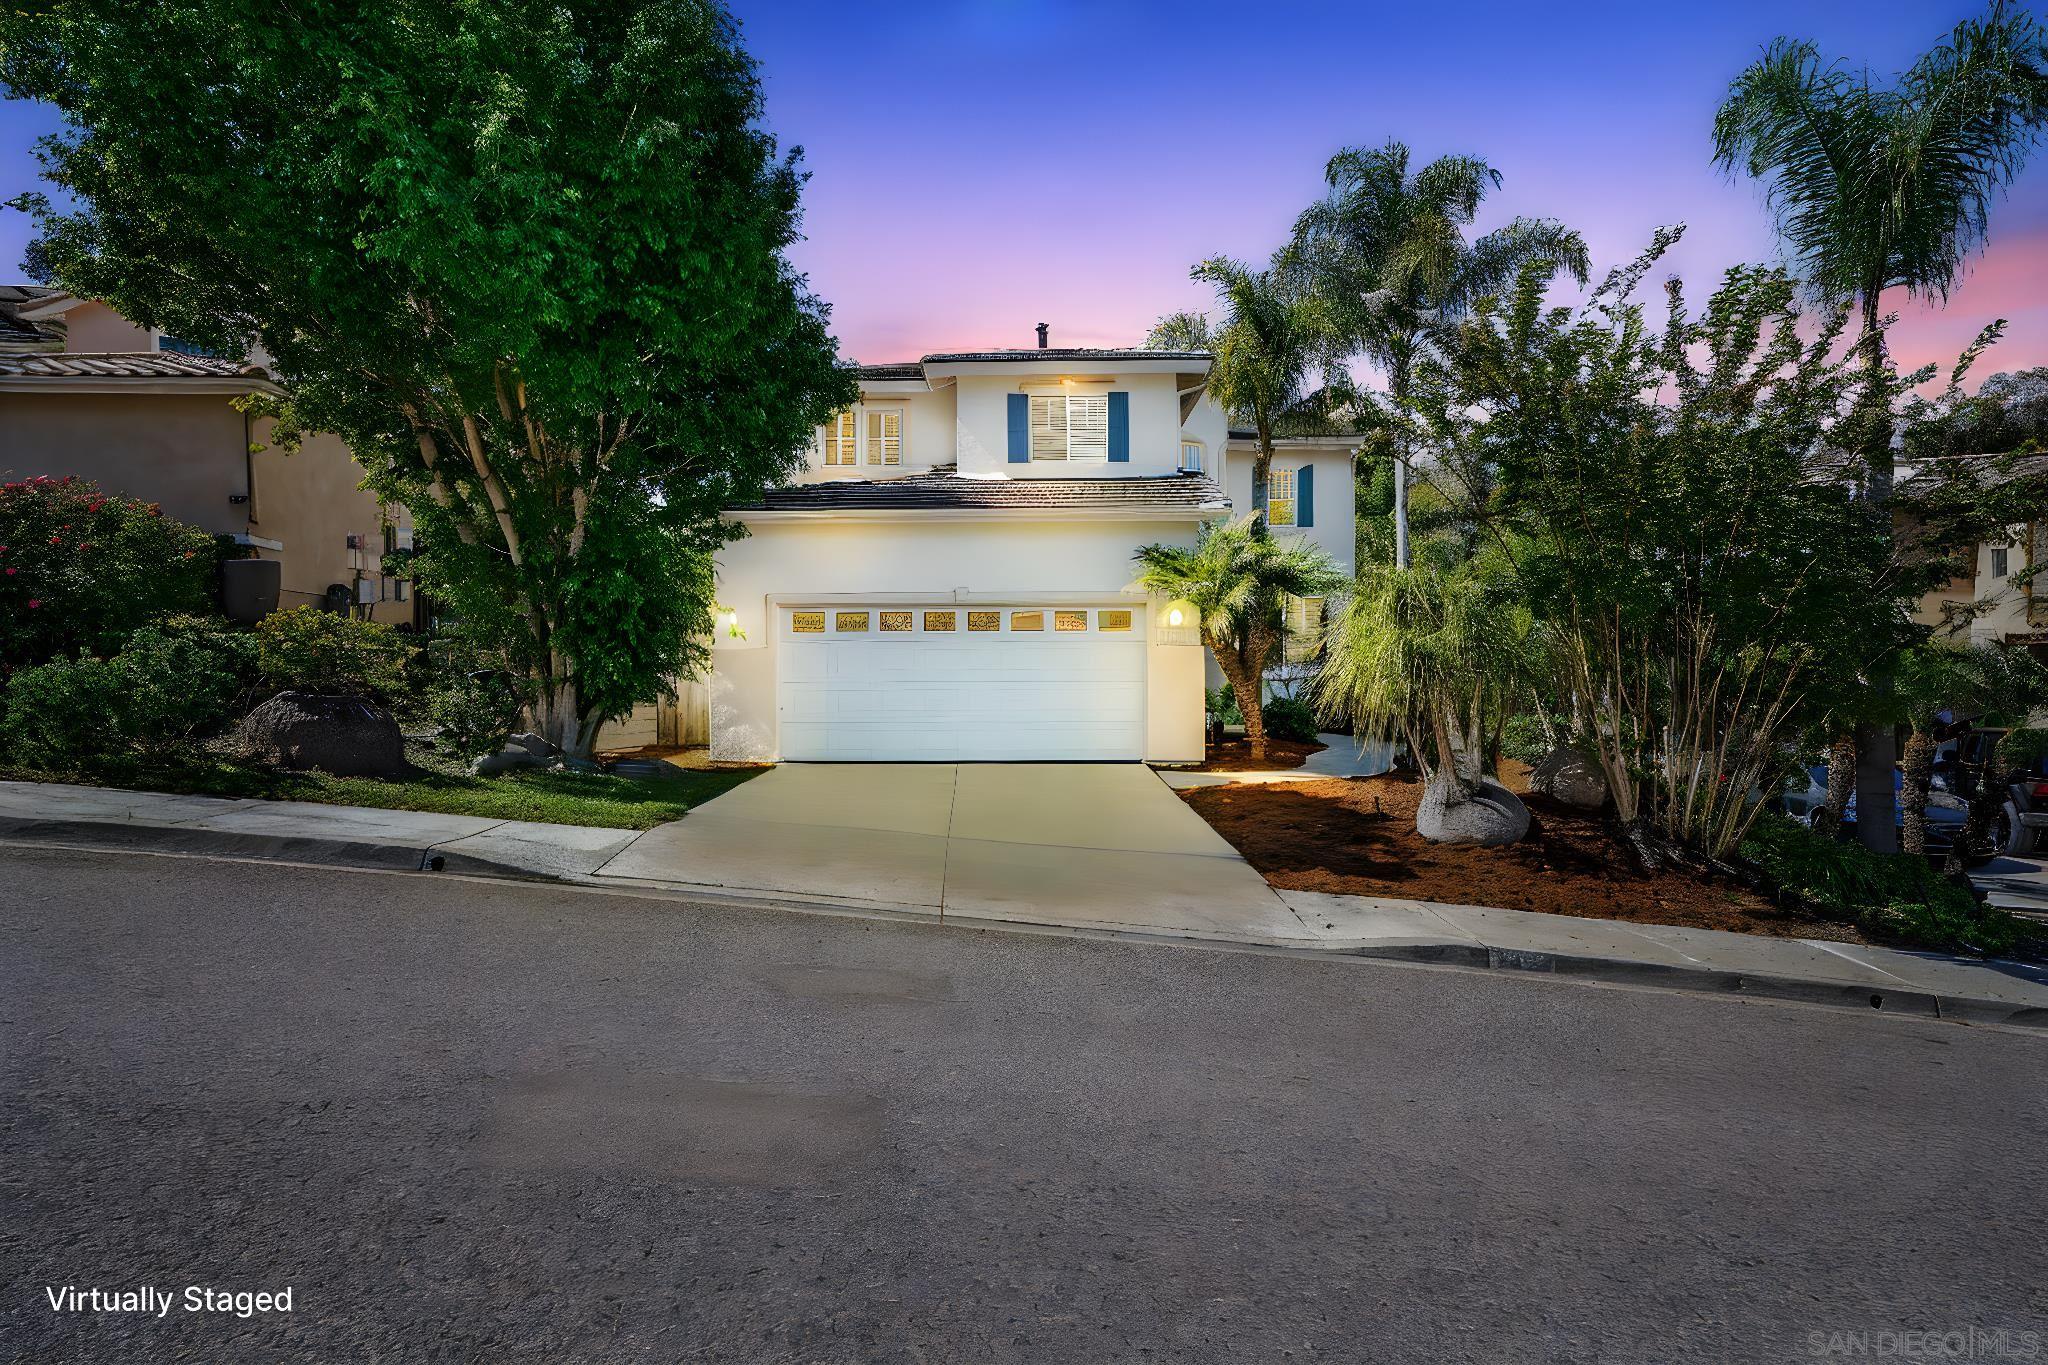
[(1290, 718), (477, 713), (81, 569), (310, 650), (1221, 702), (554, 234), (1434, 654), (167, 685), (1524, 740), (2020, 750), (1896, 897)]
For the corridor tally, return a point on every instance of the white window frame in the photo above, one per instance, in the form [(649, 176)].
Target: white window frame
[(1200, 463), (874, 451), (1276, 480), (1063, 406), (839, 442)]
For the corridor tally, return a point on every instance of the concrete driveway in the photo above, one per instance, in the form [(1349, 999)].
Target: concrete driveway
[(1095, 845)]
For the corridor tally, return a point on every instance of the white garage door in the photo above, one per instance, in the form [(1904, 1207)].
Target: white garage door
[(944, 683)]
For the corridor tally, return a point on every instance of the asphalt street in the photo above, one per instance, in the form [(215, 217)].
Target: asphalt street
[(465, 1121)]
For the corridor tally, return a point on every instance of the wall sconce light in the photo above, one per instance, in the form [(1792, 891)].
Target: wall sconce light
[(1174, 617)]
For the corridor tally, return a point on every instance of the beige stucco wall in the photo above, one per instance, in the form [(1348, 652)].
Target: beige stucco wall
[(96, 327), (985, 559), (186, 452)]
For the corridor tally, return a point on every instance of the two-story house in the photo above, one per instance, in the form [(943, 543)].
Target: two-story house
[(951, 578), (86, 392)]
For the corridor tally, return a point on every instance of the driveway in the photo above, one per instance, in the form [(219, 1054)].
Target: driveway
[(1082, 844)]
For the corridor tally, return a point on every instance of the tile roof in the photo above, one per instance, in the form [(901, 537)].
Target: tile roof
[(1065, 353), (909, 369), (124, 365), (18, 331), (943, 489)]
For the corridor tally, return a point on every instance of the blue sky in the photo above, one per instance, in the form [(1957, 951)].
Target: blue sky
[(978, 168)]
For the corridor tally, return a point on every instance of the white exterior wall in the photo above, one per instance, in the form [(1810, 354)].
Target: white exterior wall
[(923, 559), (1336, 505), (927, 433)]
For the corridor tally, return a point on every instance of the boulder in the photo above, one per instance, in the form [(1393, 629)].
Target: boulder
[(1489, 816), (512, 756), (1565, 775), (532, 744), (346, 736)]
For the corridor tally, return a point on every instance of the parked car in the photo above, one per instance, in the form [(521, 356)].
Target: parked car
[(2021, 825), (1947, 813)]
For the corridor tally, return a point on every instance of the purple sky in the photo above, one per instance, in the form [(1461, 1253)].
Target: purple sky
[(980, 167)]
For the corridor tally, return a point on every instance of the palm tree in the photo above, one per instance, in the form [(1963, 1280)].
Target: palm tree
[(1391, 252), (1237, 579), (1878, 188), (1274, 358)]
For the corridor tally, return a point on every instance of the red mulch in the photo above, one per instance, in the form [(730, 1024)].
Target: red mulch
[(1235, 756), (1356, 837)]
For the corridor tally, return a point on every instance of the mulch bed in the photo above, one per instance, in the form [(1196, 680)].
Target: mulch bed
[(1234, 755), (1356, 837)]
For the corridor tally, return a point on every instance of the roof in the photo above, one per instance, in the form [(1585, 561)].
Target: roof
[(16, 330), (125, 365), (1064, 353), (944, 490), (907, 369)]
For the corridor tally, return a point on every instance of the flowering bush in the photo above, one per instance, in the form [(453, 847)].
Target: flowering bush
[(81, 569)]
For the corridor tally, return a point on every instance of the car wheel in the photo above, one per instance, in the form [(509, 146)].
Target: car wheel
[(2010, 836)]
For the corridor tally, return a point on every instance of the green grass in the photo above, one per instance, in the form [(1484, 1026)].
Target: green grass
[(554, 797)]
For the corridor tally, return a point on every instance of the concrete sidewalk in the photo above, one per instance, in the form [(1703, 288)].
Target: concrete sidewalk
[(1925, 984)]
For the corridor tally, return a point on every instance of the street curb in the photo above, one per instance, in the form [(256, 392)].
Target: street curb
[(175, 839)]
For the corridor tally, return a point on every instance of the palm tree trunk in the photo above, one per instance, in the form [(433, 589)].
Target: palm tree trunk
[(1397, 385), (1246, 683), (1841, 782), (1876, 745), (1919, 768)]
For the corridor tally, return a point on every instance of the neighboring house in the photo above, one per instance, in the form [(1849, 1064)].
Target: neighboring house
[(951, 578), (2003, 598), (85, 392)]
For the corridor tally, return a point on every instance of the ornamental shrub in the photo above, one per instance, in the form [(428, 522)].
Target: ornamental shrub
[(309, 650), (170, 684), (81, 569), (1289, 718)]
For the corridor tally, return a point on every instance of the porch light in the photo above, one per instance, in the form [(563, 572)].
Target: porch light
[(1174, 617)]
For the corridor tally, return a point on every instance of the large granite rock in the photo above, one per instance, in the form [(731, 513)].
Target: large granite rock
[(1490, 816), (346, 736), (1564, 774)]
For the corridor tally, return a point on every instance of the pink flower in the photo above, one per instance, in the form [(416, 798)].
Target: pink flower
[(10, 571), (34, 602)]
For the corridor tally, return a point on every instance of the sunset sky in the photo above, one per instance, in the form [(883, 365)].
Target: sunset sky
[(980, 167)]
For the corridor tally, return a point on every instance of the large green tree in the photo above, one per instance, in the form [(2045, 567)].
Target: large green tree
[(525, 256), (1879, 187), (1389, 250)]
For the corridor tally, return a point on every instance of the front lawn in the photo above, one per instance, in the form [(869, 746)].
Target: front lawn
[(560, 798)]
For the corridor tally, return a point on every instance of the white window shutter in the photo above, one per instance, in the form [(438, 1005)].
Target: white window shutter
[(1088, 427)]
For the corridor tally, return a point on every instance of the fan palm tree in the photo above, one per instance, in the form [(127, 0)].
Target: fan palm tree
[(1390, 250), (1274, 354), (1237, 579), (1878, 188)]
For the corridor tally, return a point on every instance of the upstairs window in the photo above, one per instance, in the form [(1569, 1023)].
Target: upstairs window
[(885, 436), (1191, 457), (841, 436), (1280, 498), (1070, 426), (2001, 562)]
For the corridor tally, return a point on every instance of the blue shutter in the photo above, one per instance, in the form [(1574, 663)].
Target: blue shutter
[(1119, 427), (1305, 496), (1020, 428)]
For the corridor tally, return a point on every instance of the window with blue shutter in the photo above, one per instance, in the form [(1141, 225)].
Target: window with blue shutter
[(1020, 428), (1305, 496), (1119, 427)]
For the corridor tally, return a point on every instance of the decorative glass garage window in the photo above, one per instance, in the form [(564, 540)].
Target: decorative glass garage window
[(895, 620), (1112, 620), (984, 620), (848, 622), (807, 622), (1070, 620), (940, 620), (1027, 620)]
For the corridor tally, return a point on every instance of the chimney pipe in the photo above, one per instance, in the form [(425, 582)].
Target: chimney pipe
[(1041, 335)]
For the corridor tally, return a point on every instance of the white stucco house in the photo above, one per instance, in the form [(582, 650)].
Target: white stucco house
[(951, 578)]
